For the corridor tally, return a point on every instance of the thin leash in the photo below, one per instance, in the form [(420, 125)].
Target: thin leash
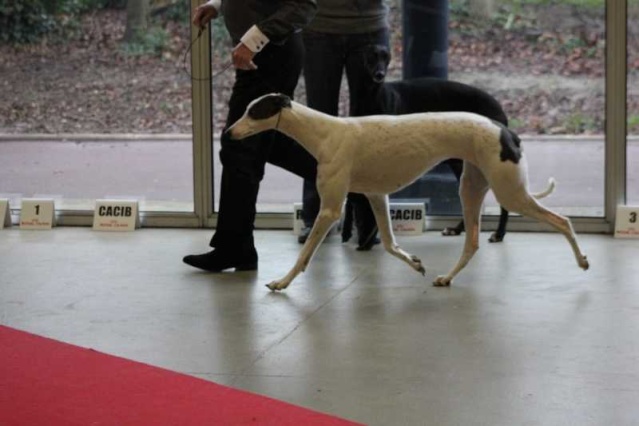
[(190, 49), (220, 72)]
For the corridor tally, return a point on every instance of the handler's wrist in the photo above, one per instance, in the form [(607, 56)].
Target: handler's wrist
[(217, 4), (254, 39)]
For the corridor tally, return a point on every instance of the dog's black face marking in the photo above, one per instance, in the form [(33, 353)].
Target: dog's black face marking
[(510, 145), (269, 106)]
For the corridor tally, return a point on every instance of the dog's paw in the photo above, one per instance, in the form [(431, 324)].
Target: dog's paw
[(416, 263), (583, 263), (277, 285), (442, 281)]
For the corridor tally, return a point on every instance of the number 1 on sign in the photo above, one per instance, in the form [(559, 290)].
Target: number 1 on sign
[(37, 214)]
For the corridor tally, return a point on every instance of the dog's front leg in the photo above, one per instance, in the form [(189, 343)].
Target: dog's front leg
[(379, 204), (332, 195)]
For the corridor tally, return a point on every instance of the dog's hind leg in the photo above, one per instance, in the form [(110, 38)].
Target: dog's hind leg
[(527, 205), (379, 204), (473, 189)]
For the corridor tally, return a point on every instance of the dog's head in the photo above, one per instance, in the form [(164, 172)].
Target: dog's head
[(260, 115), (377, 58)]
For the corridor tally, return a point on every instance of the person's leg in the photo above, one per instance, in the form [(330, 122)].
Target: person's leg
[(360, 81), (323, 69), (243, 161), (242, 170)]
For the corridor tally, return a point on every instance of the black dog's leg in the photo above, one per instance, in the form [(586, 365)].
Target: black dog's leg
[(498, 235), (347, 225), (457, 166), (364, 222)]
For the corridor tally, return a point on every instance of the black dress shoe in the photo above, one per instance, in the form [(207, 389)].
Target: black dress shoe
[(304, 233), (220, 259), (366, 244), (457, 230)]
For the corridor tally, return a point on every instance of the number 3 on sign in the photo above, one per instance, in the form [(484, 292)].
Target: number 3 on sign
[(626, 225), (37, 214)]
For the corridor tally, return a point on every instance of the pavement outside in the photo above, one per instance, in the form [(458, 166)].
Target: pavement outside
[(157, 169)]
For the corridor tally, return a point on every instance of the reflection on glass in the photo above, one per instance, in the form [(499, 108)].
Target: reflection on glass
[(92, 108)]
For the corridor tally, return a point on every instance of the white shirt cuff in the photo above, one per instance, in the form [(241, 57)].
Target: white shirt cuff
[(217, 4), (254, 39)]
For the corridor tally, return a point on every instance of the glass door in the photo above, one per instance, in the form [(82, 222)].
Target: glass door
[(545, 62), (633, 104), (96, 104)]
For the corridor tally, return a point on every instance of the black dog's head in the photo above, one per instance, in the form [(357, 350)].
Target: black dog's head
[(376, 59), (261, 114)]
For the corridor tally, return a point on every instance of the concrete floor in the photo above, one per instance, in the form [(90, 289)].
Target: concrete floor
[(523, 337)]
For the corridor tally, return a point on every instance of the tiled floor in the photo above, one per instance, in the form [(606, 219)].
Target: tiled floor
[(523, 337)]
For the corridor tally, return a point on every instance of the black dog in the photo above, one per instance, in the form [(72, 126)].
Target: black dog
[(425, 95)]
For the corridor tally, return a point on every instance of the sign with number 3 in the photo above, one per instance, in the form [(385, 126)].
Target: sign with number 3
[(627, 222)]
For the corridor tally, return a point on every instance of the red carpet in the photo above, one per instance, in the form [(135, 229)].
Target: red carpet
[(46, 382)]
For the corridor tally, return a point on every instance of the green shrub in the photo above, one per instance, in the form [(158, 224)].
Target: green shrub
[(26, 21), (23, 21)]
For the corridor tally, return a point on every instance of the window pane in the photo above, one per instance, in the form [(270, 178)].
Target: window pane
[(88, 115), (544, 61), (633, 102)]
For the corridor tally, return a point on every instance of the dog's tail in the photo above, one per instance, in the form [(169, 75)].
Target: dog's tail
[(547, 191)]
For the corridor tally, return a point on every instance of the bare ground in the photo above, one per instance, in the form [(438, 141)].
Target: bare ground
[(549, 78)]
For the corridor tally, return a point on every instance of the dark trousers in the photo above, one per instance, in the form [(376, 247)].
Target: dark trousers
[(326, 59), (243, 161)]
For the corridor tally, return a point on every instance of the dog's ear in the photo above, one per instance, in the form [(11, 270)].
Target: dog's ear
[(283, 101), (269, 105)]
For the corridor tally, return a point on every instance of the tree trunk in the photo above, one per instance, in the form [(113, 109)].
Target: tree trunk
[(137, 12)]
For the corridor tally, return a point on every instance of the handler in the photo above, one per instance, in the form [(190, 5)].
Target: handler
[(268, 57)]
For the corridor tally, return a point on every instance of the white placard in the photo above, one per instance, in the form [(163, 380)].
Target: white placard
[(627, 222), (298, 223), (37, 213), (116, 215), (407, 218), (5, 213)]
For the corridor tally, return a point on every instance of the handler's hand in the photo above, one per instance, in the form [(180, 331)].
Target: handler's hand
[(203, 14), (243, 58)]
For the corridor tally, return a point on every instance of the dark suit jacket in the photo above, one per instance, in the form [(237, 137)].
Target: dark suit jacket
[(277, 19)]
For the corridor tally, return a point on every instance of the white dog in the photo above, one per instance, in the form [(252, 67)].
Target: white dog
[(378, 155)]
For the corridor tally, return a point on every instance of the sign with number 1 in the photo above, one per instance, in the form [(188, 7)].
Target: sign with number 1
[(37, 214)]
